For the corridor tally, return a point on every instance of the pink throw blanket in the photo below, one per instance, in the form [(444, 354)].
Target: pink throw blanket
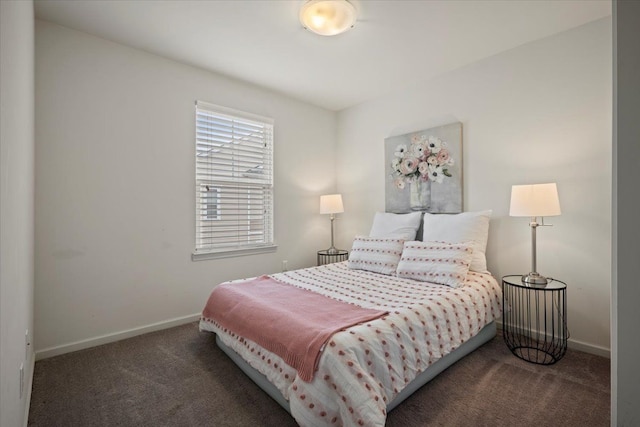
[(291, 322)]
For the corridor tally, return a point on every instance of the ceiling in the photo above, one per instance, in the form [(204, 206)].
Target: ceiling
[(394, 43)]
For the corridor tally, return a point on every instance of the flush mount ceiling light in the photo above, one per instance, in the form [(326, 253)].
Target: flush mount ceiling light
[(328, 17)]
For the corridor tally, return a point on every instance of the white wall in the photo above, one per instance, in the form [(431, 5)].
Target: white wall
[(115, 216), (16, 208), (625, 373), (537, 113)]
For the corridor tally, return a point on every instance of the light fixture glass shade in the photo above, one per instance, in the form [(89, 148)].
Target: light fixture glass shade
[(535, 200), (328, 17), (331, 204)]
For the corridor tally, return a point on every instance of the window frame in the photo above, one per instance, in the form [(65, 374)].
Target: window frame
[(234, 182)]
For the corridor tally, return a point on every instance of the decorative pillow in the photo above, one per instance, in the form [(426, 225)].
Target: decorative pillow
[(459, 228), (436, 262), (396, 225), (376, 254)]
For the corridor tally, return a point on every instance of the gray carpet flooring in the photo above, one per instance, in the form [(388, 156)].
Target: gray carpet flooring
[(179, 377)]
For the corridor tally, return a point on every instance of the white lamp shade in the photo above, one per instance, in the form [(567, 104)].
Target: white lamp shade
[(328, 17), (331, 204), (534, 200)]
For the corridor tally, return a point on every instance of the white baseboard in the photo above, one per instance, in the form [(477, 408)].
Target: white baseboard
[(589, 348), (116, 336), (581, 346), (27, 403)]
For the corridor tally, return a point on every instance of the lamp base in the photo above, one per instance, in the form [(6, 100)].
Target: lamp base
[(332, 250), (535, 279)]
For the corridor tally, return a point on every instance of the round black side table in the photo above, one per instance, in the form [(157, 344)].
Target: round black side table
[(326, 257), (534, 319)]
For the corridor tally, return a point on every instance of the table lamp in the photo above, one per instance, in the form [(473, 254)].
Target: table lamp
[(537, 200), (331, 204)]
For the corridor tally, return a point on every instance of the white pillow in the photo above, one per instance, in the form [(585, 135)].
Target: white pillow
[(376, 254), (436, 262), (459, 228), (396, 225)]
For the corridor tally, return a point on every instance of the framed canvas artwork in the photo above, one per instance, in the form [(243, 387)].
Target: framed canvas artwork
[(424, 170)]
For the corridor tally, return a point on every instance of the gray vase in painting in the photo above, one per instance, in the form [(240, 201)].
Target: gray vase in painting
[(420, 195)]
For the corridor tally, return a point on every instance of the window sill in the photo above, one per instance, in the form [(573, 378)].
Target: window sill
[(232, 253)]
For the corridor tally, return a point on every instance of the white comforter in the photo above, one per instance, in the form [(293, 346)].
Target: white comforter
[(364, 367)]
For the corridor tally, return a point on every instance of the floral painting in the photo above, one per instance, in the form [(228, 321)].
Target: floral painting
[(424, 170)]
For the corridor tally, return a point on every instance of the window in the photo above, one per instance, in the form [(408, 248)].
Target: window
[(234, 182)]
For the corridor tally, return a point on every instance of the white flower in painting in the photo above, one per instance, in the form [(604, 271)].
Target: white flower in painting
[(395, 164), (436, 174), (399, 183), (401, 150), (419, 149), (435, 144), (450, 161)]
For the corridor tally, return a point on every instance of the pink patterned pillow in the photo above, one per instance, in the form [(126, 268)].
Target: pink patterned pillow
[(436, 262), (376, 254)]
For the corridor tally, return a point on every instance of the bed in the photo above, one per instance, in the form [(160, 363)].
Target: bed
[(367, 369)]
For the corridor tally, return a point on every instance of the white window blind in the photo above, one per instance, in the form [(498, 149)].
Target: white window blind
[(234, 180)]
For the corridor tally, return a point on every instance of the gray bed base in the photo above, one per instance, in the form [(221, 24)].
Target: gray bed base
[(485, 335)]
